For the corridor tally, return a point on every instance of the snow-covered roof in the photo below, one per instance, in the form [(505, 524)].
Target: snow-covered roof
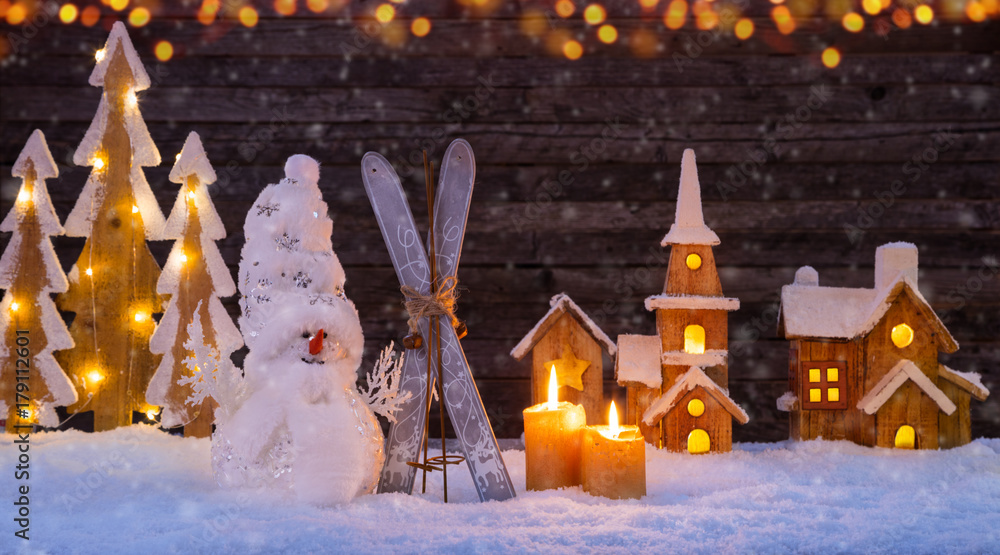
[(119, 37), (638, 361), (846, 313), (711, 357), (689, 225), (969, 381), (562, 304), (697, 302), (691, 379), (903, 370)]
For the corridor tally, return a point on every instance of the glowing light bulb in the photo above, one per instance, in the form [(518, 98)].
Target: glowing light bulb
[(95, 376), (24, 196), (152, 412), (89, 271), (140, 316), (99, 55), (131, 100), (98, 163), (135, 209), (14, 306), (613, 420), (191, 195), (183, 258), (553, 403)]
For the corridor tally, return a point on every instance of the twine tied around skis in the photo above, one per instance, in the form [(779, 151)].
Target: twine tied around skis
[(440, 303)]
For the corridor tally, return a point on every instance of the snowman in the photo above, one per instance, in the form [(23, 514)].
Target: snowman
[(300, 425)]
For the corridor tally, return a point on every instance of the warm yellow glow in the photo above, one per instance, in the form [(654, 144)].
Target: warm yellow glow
[(902, 18), (675, 14), (14, 306), (99, 55), (991, 7), (131, 100), (94, 376), (23, 196), (707, 19), (871, 7), (420, 27), (191, 195), (698, 442), (743, 29), (17, 13), (975, 11), (89, 271), (814, 375), (284, 7), (68, 13), (648, 4), (782, 17), (853, 22), (815, 395), (317, 6), (902, 335), (607, 34), (831, 57), (151, 413), (164, 50), (924, 14), (205, 16), (553, 403), (572, 50), (594, 14), (833, 374), (135, 209), (533, 23), (565, 8), (833, 394), (98, 163), (139, 17), (906, 437), (248, 16), (693, 261), (613, 426), (90, 15), (696, 407), (140, 316), (385, 13), (118, 5), (694, 339), (29, 415), (184, 258)]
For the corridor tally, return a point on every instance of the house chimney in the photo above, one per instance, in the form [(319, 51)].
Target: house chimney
[(894, 259), (807, 275)]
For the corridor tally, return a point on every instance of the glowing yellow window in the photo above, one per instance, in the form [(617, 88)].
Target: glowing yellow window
[(833, 374), (696, 407), (815, 395), (814, 375), (906, 438), (693, 261), (833, 394), (698, 442), (694, 339), (902, 335)]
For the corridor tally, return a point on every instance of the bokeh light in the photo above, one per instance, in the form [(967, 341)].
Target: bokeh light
[(743, 29), (139, 17), (783, 19), (924, 14), (607, 34), (853, 22), (533, 23), (831, 57), (284, 7), (420, 26), (594, 14), (975, 11), (385, 13), (902, 18), (164, 50), (871, 7), (17, 13), (707, 19), (118, 5), (68, 13), (643, 43), (248, 16), (648, 4), (318, 6), (572, 50), (675, 14), (565, 8), (90, 16)]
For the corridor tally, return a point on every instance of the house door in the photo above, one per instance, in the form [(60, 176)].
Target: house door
[(698, 442), (906, 437)]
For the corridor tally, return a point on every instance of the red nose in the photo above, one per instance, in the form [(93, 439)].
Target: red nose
[(316, 343)]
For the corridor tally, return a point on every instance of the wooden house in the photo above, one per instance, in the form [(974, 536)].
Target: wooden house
[(678, 380), (863, 363), (567, 339)]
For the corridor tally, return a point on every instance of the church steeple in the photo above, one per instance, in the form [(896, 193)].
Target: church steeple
[(689, 224)]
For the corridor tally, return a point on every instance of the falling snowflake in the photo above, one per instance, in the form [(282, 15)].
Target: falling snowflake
[(302, 280), (267, 209), (286, 242)]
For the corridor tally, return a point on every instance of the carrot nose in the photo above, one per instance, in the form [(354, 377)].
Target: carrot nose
[(316, 343)]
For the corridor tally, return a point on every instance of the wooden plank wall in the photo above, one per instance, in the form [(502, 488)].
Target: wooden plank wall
[(613, 124)]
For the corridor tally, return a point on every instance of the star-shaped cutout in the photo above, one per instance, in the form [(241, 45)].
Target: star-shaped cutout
[(569, 369)]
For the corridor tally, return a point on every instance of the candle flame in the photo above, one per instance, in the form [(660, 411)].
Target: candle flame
[(553, 403), (613, 419)]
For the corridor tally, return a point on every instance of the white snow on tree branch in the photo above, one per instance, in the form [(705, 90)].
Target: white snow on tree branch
[(382, 394), (211, 376)]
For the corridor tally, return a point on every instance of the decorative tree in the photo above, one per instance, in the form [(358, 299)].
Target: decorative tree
[(30, 327), (113, 283), (194, 275)]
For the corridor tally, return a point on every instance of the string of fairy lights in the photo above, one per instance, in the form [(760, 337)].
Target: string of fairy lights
[(540, 20)]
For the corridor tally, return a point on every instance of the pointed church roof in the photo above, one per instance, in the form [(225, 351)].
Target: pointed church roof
[(689, 225), (562, 304), (694, 377)]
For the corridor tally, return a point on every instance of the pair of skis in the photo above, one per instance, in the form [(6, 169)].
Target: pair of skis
[(409, 258)]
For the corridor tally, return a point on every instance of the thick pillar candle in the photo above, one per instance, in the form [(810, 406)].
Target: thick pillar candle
[(552, 445), (613, 460)]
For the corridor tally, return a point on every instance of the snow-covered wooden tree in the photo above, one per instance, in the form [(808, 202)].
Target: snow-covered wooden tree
[(31, 381), (112, 286), (194, 275)]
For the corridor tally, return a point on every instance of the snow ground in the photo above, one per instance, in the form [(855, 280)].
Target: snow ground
[(139, 489)]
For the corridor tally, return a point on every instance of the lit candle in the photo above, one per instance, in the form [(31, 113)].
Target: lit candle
[(552, 441), (613, 463)]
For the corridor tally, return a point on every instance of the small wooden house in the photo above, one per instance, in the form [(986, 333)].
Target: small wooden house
[(677, 380), (567, 339), (863, 364)]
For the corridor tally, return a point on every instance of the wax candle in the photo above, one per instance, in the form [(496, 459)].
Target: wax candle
[(552, 441), (613, 461)]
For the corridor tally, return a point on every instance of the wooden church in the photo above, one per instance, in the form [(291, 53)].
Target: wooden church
[(863, 363), (677, 380)]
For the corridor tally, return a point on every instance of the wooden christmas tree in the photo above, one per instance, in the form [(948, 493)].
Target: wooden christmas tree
[(31, 381), (194, 275), (113, 284)]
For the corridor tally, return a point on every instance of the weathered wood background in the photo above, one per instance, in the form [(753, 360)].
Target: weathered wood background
[(328, 87)]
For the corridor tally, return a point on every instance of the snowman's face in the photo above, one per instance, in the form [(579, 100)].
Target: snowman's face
[(318, 347)]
